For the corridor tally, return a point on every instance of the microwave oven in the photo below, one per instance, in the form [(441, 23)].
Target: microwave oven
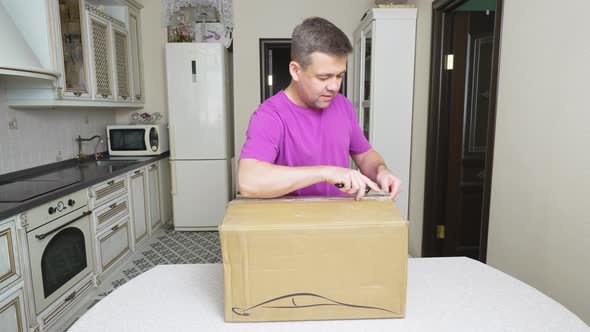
[(137, 140)]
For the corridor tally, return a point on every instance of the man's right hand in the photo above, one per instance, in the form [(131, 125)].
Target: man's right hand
[(353, 181)]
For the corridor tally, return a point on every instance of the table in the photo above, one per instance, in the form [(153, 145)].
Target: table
[(444, 294)]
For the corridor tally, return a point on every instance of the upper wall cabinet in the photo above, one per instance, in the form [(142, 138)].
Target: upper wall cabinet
[(95, 46)]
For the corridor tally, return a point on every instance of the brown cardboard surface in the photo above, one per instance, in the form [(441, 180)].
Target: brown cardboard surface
[(308, 259)]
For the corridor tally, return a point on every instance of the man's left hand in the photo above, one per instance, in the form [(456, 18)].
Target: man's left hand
[(388, 182)]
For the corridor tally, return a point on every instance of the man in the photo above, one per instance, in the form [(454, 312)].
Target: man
[(299, 140)]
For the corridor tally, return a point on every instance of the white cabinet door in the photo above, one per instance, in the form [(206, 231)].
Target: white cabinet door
[(9, 261), (12, 311), (165, 195), (121, 64), (137, 182), (101, 55), (113, 244), (154, 195), (136, 56)]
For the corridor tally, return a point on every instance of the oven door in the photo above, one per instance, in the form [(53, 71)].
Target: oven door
[(61, 256)]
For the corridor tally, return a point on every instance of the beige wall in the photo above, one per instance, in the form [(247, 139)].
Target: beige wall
[(276, 19), (153, 43), (539, 219), (539, 224), (419, 124)]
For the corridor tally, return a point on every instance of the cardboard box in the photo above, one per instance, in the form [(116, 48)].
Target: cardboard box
[(314, 258)]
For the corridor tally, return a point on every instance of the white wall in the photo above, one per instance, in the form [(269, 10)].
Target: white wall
[(154, 66), (43, 136), (539, 219), (276, 19)]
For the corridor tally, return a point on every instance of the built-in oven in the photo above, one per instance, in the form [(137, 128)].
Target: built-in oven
[(60, 247)]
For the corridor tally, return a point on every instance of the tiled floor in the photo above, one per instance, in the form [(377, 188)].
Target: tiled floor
[(166, 247)]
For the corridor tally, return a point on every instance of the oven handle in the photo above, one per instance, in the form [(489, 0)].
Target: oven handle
[(42, 236)]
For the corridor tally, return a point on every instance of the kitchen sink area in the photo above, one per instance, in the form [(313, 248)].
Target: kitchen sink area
[(25, 189)]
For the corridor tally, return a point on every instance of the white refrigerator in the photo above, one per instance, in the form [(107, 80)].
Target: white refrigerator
[(201, 133)]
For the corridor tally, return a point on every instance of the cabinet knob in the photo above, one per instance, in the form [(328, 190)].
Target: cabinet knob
[(138, 97), (77, 94), (104, 95), (71, 202)]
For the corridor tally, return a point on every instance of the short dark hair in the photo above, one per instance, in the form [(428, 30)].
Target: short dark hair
[(316, 34)]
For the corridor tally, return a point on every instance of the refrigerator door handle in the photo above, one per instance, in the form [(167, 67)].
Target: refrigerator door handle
[(172, 178), (172, 141)]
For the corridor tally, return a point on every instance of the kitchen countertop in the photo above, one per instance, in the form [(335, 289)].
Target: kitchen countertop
[(85, 173)]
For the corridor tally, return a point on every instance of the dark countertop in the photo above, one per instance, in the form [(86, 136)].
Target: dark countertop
[(86, 173)]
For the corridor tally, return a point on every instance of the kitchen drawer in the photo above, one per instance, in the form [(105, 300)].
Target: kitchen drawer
[(113, 210), (9, 262), (107, 190), (113, 244)]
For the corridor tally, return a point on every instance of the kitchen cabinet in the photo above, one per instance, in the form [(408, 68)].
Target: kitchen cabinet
[(107, 190), (10, 270), (384, 45), (95, 47), (136, 54), (12, 310), (113, 244), (139, 205), (109, 56), (71, 50), (101, 57), (153, 179), (12, 300), (111, 210)]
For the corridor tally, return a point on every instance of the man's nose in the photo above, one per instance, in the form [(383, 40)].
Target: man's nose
[(333, 85)]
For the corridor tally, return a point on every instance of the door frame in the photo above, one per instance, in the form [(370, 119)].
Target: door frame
[(438, 136), (265, 45)]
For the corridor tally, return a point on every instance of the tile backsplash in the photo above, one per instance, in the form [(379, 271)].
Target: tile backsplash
[(46, 136)]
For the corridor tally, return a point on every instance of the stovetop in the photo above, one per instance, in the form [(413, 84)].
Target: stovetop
[(22, 190)]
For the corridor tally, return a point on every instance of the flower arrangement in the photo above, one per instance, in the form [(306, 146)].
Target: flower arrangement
[(182, 34), (180, 29)]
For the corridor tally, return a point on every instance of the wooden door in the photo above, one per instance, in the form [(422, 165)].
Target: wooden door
[(471, 46), (461, 128)]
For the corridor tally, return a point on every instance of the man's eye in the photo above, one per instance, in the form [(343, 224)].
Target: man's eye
[(323, 78)]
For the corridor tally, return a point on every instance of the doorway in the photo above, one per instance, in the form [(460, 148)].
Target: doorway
[(275, 56), (461, 125)]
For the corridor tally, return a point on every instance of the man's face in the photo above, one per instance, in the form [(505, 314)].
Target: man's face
[(319, 82)]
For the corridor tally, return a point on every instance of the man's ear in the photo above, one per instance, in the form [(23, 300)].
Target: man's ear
[(294, 70)]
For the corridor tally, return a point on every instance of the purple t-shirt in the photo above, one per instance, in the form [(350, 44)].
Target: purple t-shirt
[(282, 133)]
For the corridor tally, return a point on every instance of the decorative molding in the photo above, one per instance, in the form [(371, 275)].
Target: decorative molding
[(107, 17)]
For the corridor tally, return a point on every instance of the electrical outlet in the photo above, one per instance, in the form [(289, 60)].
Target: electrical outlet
[(13, 124), (59, 156)]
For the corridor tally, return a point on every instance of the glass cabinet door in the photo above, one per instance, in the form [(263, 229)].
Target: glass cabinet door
[(365, 109), (74, 69)]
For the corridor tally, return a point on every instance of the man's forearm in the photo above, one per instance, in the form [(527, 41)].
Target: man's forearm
[(276, 180), (369, 163)]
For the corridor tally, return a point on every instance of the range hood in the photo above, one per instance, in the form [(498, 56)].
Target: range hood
[(17, 58)]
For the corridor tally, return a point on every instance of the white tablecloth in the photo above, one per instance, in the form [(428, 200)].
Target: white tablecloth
[(444, 294)]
